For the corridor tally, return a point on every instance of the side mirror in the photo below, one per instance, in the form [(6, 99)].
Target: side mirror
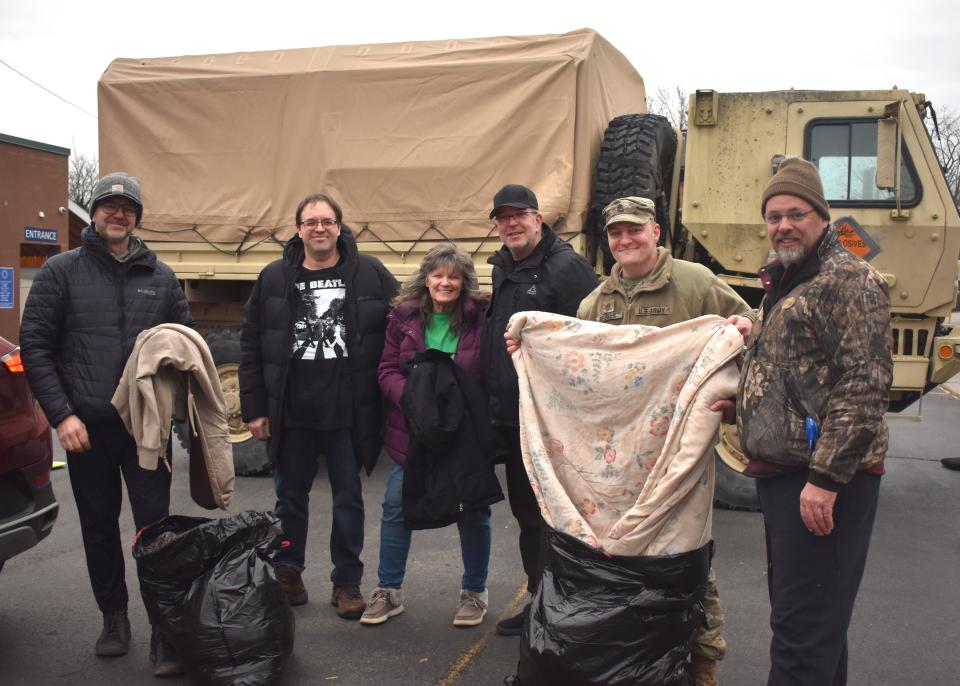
[(888, 139)]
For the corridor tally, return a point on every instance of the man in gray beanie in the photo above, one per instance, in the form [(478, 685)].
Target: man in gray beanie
[(82, 317), (812, 396)]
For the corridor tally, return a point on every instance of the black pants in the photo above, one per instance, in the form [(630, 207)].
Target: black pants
[(523, 503), (95, 479), (813, 580), (293, 475)]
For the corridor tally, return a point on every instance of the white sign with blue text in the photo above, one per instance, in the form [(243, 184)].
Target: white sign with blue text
[(6, 288), (38, 234)]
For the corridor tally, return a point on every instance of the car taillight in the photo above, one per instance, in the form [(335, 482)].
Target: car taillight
[(13, 362), (41, 479)]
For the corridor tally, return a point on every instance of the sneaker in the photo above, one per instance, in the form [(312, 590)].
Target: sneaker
[(166, 661), (114, 639), (349, 601), (292, 584), (384, 604), (513, 626), (472, 608)]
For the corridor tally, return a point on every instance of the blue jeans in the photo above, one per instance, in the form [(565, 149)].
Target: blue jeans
[(293, 477), (395, 540)]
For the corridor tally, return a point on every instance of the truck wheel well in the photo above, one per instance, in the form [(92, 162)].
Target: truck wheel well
[(249, 454)]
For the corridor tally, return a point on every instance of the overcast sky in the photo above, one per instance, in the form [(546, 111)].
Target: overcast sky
[(65, 45)]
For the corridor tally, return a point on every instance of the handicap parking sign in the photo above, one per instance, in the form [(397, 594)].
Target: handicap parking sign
[(6, 288)]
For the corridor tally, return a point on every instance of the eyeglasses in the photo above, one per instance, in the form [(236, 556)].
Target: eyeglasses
[(505, 218), (314, 223), (111, 207), (774, 218)]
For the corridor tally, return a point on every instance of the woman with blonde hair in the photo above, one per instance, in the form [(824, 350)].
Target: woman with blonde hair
[(440, 307)]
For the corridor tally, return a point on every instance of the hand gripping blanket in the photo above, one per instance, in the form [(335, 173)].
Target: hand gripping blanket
[(616, 430)]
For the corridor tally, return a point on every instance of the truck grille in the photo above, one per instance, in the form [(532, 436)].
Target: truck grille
[(911, 340)]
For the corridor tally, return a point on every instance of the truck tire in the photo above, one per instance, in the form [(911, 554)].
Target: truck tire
[(249, 455), (733, 490), (636, 158)]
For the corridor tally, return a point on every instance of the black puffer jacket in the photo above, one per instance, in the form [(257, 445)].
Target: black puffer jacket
[(449, 468), (267, 341), (554, 279), (82, 317)]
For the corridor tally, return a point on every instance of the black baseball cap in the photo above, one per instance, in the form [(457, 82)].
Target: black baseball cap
[(514, 195)]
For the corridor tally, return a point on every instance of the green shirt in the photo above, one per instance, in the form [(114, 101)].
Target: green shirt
[(437, 333)]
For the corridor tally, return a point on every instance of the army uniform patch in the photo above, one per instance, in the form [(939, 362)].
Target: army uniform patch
[(653, 310), (609, 313)]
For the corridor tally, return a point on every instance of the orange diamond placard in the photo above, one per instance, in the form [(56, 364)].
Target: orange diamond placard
[(855, 240)]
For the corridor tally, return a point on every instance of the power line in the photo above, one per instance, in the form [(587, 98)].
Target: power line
[(46, 89)]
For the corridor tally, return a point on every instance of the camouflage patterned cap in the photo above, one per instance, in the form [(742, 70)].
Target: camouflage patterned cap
[(633, 209)]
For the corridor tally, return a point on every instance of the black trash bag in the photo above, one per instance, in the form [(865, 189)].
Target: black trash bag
[(612, 621), (211, 586)]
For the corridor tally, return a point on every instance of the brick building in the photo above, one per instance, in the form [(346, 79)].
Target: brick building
[(34, 218)]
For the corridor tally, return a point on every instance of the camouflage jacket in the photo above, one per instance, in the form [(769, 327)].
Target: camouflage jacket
[(673, 292), (822, 351)]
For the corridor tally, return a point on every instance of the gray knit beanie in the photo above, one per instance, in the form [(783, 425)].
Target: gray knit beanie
[(796, 176)]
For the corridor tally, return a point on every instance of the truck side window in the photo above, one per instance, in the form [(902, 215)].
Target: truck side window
[(846, 155)]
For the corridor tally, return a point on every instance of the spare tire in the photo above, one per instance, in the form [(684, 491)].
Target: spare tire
[(734, 490), (636, 158), (249, 455)]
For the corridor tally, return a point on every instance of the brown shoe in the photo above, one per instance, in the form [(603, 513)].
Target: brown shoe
[(703, 671), (292, 584), (349, 601)]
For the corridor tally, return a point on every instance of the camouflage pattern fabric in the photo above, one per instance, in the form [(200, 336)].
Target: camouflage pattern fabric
[(673, 292), (708, 639), (823, 351)]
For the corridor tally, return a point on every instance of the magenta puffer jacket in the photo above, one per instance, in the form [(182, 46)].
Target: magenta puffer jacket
[(404, 339)]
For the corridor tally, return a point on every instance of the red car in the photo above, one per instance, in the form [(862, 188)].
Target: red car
[(28, 507)]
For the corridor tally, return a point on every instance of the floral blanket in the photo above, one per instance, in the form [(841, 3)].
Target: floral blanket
[(616, 430)]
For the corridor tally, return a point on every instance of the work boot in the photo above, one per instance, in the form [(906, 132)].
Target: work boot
[(349, 601), (384, 604), (472, 608), (292, 584), (114, 640), (513, 626), (166, 661), (951, 463), (703, 671)]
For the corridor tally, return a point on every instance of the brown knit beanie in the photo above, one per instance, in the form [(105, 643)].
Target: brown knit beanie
[(796, 176)]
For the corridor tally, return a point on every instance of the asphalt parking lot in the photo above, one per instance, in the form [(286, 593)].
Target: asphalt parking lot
[(905, 629)]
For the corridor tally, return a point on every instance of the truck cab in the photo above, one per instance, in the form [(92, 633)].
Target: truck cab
[(888, 198), (887, 194)]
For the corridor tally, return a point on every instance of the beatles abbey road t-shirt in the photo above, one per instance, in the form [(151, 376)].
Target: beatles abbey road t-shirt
[(318, 383)]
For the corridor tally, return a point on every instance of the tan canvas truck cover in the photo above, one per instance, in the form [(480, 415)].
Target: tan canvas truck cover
[(404, 135)]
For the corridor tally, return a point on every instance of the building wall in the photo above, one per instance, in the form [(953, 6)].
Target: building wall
[(33, 181)]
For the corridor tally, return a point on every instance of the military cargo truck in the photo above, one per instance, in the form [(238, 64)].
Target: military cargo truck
[(414, 139), (885, 186)]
